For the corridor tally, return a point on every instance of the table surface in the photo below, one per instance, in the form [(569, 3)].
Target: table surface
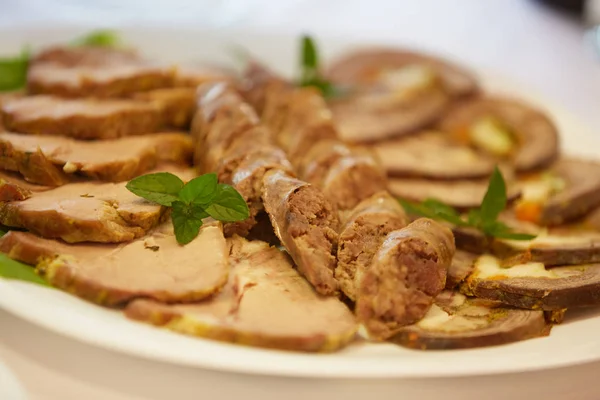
[(517, 38)]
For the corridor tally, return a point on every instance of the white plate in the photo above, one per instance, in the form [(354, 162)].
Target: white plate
[(10, 387), (574, 342)]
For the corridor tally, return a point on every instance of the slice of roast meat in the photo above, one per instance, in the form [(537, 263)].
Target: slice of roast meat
[(14, 188), (93, 56), (431, 155), (306, 223), (505, 128), (407, 272), (531, 285), (114, 78), (362, 234), (177, 104), (458, 322), (365, 66), (55, 160), (463, 263), (266, 303), (81, 118), (86, 211), (462, 194), (154, 266)]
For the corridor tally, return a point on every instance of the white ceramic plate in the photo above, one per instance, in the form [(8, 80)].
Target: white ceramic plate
[(574, 342)]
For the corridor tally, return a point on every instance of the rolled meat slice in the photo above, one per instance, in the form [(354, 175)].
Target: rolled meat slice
[(87, 211), (459, 322), (406, 274), (463, 263), (364, 66), (306, 223), (532, 286), (154, 266), (55, 160), (431, 155), (80, 118), (505, 128), (266, 303), (362, 234), (177, 104)]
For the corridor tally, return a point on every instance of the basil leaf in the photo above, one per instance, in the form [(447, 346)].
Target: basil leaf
[(502, 231), (200, 190), (99, 38), (187, 220), (416, 209), (13, 71), (494, 200), (12, 269), (161, 187), (228, 205), (439, 207), (433, 209), (474, 217)]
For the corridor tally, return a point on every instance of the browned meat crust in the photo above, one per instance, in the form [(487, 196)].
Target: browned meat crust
[(363, 66), (431, 155), (306, 224), (407, 272), (473, 323), (154, 267), (266, 303), (113, 79), (53, 161), (535, 132), (80, 118), (177, 104), (460, 268), (361, 236), (71, 56)]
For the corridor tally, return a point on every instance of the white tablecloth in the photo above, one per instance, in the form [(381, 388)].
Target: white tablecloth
[(517, 38)]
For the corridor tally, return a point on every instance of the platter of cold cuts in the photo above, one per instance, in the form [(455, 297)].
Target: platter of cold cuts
[(306, 208)]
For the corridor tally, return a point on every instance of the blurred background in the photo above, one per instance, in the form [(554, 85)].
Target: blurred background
[(541, 43)]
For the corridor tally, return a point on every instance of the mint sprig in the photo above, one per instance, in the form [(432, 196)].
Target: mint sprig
[(12, 269), (484, 218), (310, 72), (98, 38), (13, 71), (191, 202)]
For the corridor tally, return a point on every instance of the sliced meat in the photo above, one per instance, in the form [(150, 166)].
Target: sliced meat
[(222, 116), (71, 56), (365, 66), (14, 188), (520, 132), (193, 75), (347, 175), (460, 194), (580, 195), (245, 172), (430, 155), (120, 78), (458, 322), (86, 211), (407, 272), (57, 160), (383, 114), (258, 85), (7, 96), (177, 104), (262, 278), (306, 223), (154, 267), (463, 263), (362, 234), (532, 286), (81, 118)]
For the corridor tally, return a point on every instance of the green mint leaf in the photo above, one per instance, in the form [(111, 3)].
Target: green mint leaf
[(187, 220), (494, 200), (12, 269), (200, 190), (13, 71), (310, 57), (434, 209), (500, 230), (474, 217), (439, 207), (161, 187), (99, 38), (228, 205), (416, 209)]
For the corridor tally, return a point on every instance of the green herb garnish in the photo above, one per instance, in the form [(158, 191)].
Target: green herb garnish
[(484, 218), (13, 71), (99, 38), (12, 269), (191, 202), (310, 73)]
